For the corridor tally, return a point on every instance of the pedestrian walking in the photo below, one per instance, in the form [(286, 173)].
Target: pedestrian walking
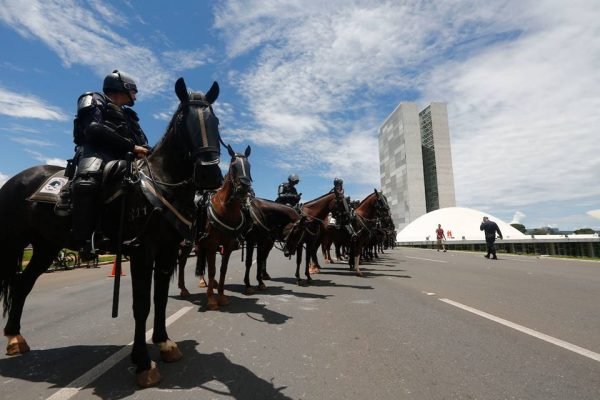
[(441, 238), (490, 229)]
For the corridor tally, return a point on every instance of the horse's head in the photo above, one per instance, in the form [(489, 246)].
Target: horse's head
[(239, 173), (196, 121), (382, 208), (294, 233)]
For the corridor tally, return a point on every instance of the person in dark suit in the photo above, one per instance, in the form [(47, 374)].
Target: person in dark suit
[(490, 229)]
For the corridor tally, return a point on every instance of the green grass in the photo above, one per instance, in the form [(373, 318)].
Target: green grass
[(101, 259)]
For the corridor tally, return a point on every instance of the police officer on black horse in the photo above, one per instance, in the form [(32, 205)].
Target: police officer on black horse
[(105, 129), (287, 193)]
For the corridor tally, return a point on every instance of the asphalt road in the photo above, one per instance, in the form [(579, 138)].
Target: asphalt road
[(421, 325)]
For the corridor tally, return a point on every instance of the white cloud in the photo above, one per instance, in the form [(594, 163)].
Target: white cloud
[(32, 142), (71, 30), (518, 217), (56, 161), (3, 179), (521, 79), (45, 159), (524, 113), (180, 60), (26, 106)]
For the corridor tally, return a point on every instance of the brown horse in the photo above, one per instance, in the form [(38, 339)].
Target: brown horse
[(367, 214), (157, 220), (225, 225), (315, 212)]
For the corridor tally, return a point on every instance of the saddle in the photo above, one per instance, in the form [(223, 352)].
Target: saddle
[(49, 191)]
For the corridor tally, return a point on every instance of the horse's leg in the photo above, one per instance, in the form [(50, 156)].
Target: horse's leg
[(310, 249), (141, 283), (222, 299), (356, 253), (20, 286), (266, 250), (210, 252), (181, 261), (325, 251), (314, 267), (338, 253), (298, 262), (163, 269), (261, 265), (201, 267), (249, 255)]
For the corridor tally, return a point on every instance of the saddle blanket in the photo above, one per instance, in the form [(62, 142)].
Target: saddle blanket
[(49, 190)]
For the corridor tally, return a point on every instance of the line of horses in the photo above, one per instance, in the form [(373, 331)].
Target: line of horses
[(160, 212)]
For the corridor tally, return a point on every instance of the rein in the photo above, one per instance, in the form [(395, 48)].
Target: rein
[(152, 179), (214, 217)]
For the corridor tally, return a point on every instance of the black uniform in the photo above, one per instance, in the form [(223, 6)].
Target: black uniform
[(490, 229), (287, 194), (103, 132)]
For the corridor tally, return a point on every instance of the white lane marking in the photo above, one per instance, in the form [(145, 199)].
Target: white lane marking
[(426, 259), (84, 380), (561, 343)]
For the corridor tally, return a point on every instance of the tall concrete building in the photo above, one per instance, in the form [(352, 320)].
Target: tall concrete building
[(416, 162)]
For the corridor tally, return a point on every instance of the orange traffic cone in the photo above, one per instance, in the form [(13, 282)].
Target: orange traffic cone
[(114, 270)]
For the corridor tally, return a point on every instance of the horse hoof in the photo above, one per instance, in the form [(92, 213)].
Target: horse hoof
[(266, 277), (169, 352), (358, 273), (184, 292), (249, 291), (300, 282), (262, 286), (16, 345), (202, 283), (150, 377), (223, 300), (212, 305), (314, 270)]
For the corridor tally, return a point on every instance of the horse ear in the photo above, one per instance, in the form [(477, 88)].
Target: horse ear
[(230, 151), (212, 93), (375, 190), (181, 90), (247, 152)]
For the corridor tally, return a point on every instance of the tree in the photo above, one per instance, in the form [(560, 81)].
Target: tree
[(584, 231), (520, 227), (539, 231)]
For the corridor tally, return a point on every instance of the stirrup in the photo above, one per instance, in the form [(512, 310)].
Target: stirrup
[(62, 208)]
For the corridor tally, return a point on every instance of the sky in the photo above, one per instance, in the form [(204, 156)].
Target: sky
[(308, 83)]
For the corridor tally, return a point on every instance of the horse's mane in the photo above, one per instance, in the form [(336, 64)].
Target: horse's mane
[(309, 203), (170, 126), (365, 199)]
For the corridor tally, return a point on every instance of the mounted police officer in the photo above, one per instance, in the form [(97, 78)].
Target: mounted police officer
[(338, 186), (287, 193), (105, 129), (343, 219)]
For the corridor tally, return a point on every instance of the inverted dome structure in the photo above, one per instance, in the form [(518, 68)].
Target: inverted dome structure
[(458, 223)]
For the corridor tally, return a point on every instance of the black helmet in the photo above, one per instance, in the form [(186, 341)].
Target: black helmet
[(118, 82), (293, 179), (338, 181)]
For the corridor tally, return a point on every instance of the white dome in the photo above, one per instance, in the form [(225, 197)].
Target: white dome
[(463, 223)]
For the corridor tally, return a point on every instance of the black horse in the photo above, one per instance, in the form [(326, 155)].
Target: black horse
[(271, 222), (159, 214)]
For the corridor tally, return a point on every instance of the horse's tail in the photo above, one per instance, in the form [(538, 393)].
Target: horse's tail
[(201, 262), (12, 261)]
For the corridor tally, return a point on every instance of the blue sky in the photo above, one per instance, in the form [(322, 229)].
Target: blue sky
[(308, 83)]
